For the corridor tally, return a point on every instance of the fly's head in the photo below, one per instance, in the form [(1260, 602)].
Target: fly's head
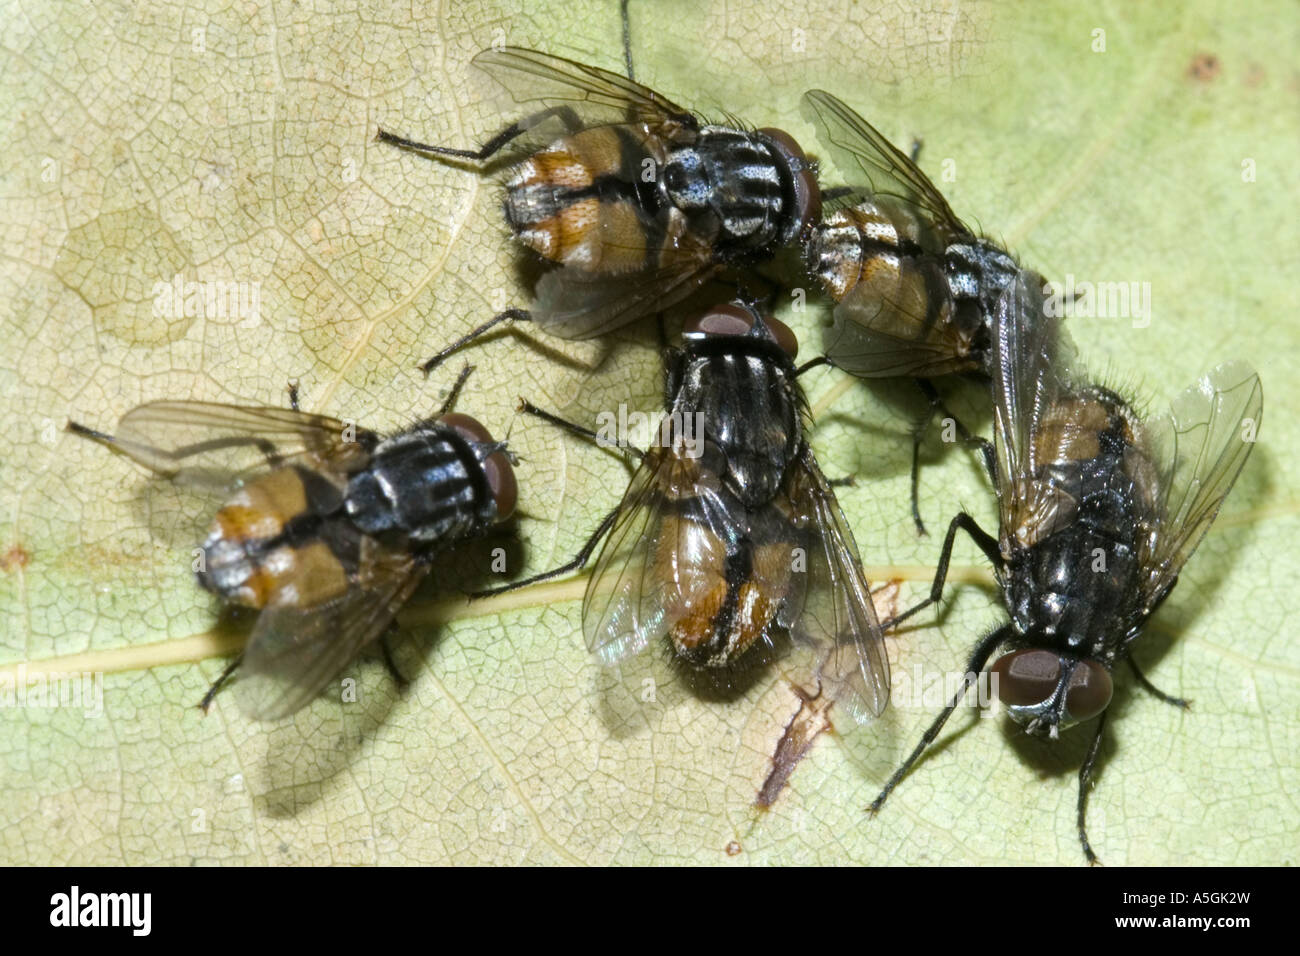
[(1047, 691)]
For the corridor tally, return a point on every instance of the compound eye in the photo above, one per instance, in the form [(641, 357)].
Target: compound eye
[(1027, 678), (500, 474), (729, 319), (803, 175), (786, 143), (784, 336), (1088, 692), (468, 428)]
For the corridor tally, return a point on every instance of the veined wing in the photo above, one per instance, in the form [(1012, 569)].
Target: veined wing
[(897, 321), (1203, 443), (666, 550), (856, 143), (294, 652), (211, 445), (1030, 376), (837, 617), (567, 96)]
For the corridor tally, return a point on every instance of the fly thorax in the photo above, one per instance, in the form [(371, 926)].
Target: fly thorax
[(750, 414), (978, 272), (733, 179), (423, 485)]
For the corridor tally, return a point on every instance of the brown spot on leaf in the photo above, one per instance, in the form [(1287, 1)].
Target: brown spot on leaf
[(812, 719), (885, 599), (734, 849), (1205, 67), (14, 558)]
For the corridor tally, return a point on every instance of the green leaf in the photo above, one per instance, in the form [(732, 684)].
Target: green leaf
[(235, 143)]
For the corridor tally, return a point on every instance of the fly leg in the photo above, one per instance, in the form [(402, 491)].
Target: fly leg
[(937, 407), (1155, 691), (918, 430), (1142, 678), (493, 146), (578, 562), (627, 39), (455, 390), (811, 364), (509, 315), (584, 555), (220, 682), (973, 669), (1085, 779), (528, 408), (399, 678), (987, 543), (837, 192)]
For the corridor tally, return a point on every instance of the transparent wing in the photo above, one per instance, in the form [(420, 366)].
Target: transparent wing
[(211, 445), (575, 304), (1031, 361), (666, 551), (856, 143), (837, 617), (566, 96), (294, 652), (1203, 441), (897, 321)]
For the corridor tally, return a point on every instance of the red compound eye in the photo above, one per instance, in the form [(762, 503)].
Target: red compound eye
[(728, 319), (500, 474), (807, 191), (1028, 677), (784, 336), (1089, 691), (736, 319)]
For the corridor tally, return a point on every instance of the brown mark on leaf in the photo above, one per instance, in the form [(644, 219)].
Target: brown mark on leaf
[(734, 849), (807, 723), (812, 719), (14, 558), (1205, 67)]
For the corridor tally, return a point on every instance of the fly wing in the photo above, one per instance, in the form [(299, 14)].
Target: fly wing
[(566, 96), (211, 446), (1031, 359), (837, 617), (666, 550), (855, 143), (897, 321), (1202, 443), (577, 304), (294, 652)]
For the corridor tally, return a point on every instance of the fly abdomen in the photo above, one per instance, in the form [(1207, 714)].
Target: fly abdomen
[(581, 201), (425, 484), (268, 534)]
